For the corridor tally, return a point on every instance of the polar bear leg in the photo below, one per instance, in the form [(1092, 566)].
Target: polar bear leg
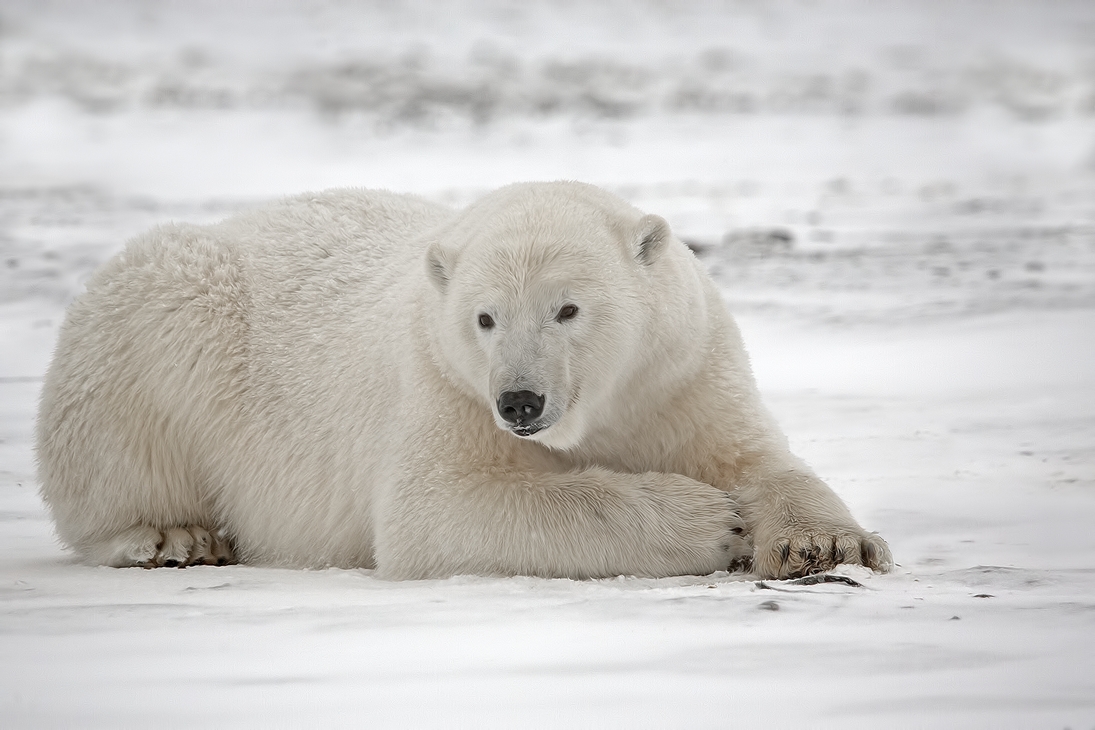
[(587, 524), (176, 547)]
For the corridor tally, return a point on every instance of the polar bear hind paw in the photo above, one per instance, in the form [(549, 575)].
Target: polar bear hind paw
[(175, 547), (810, 553)]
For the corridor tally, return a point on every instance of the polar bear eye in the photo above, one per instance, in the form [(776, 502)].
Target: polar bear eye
[(569, 311), (486, 321)]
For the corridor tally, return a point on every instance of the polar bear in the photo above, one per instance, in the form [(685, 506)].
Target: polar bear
[(545, 383)]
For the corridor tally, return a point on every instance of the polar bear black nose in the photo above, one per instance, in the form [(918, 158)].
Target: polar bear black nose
[(520, 407)]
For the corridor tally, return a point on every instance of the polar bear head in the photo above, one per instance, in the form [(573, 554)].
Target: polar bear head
[(563, 309)]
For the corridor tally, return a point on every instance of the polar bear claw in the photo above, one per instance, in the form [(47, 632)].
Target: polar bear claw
[(174, 547), (816, 551)]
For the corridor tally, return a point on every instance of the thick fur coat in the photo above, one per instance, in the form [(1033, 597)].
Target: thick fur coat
[(544, 383)]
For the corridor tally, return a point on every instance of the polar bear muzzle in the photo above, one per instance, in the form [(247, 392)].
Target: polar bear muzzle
[(520, 409)]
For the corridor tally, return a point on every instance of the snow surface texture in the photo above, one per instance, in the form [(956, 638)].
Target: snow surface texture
[(898, 200)]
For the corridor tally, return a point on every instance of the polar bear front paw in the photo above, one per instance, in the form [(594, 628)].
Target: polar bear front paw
[(699, 530), (175, 547), (738, 545), (792, 554)]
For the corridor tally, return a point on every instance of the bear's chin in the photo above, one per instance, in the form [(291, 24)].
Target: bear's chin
[(555, 433), (560, 436)]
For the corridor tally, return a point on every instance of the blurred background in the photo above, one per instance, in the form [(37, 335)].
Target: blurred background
[(839, 159)]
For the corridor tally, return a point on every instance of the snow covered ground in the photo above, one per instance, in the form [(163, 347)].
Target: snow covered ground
[(898, 200)]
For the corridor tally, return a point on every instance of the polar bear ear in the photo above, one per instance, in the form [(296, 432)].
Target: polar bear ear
[(652, 236), (439, 263)]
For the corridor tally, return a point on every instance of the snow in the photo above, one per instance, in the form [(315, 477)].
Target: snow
[(926, 340)]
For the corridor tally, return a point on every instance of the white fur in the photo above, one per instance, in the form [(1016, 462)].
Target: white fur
[(311, 382)]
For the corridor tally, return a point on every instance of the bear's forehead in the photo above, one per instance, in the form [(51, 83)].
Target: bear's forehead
[(545, 240), (539, 272), (516, 247), (545, 258), (549, 221)]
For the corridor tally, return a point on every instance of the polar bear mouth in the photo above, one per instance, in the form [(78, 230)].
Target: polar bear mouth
[(526, 429)]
